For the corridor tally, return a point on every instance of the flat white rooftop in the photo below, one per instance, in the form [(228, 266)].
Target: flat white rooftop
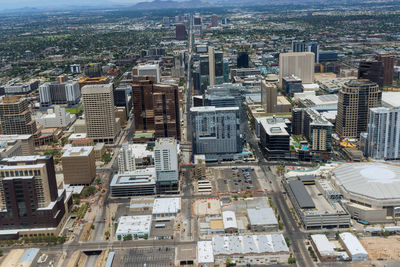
[(166, 205), (205, 252), (134, 225), (78, 151)]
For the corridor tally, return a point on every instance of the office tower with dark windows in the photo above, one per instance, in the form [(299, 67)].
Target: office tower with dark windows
[(388, 67), (30, 202), (243, 59), (314, 48), (15, 116), (355, 99), (180, 32), (93, 70), (372, 70), (299, 46)]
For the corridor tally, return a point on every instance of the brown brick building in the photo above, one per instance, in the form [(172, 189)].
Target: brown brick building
[(79, 165), (156, 107)]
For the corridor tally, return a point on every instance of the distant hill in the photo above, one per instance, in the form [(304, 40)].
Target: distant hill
[(169, 4)]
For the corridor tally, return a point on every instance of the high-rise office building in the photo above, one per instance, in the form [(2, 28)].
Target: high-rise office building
[(148, 70), (243, 59), (291, 85), (79, 165), (197, 21), (269, 94), (156, 107), (383, 137), (214, 21), (30, 200), (388, 66), (93, 70), (372, 70), (180, 32), (314, 127), (355, 99), (126, 159), (98, 106), (216, 132), (314, 48), (166, 164), (211, 68), (59, 93), (299, 46), (298, 64), (15, 116)]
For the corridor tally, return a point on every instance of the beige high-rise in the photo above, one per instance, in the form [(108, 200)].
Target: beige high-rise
[(98, 106), (355, 100), (269, 94), (299, 64)]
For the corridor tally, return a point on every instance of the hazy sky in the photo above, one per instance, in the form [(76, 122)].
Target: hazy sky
[(7, 4)]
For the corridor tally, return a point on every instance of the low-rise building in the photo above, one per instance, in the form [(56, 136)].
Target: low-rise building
[(139, 226), (27, 142), (57, 118), (205, 256), (250, 249), (353, 247), (262, 220), (323, 247), (10, 148), (135, 183), (229, 219), (166, 208)]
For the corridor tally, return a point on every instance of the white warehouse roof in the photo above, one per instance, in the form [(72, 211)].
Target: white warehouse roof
[(263, 216), (166, 205), (139, 225), (354, 247), (205, 252), (229, 219), (324, 246)]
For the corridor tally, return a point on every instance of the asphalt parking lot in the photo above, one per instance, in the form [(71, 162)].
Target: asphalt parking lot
[(236, 180), (149, 257)]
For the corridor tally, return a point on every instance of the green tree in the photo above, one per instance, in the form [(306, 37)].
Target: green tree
[(119, 237), (291, 259), (145, 236), (287, 240), (92, 226), (107, 234)]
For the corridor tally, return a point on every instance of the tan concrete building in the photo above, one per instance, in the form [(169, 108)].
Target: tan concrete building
[(79, 165), (98, 106), (269, 94), (299, 64), (355, 99)]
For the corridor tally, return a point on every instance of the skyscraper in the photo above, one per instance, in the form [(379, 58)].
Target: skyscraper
[(383, 139), (156, 107), (269, 94), (211, 65), (372, 70), (298, 64), (355, 99), (98, 106), (30, 198), (15, 116), (314, 48), (59, 93), (388, 66), (180, 32), (299, 46), (93, 70), (243, 60), (166, 164)]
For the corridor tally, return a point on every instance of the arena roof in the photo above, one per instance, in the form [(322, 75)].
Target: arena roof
[(372, 180)]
